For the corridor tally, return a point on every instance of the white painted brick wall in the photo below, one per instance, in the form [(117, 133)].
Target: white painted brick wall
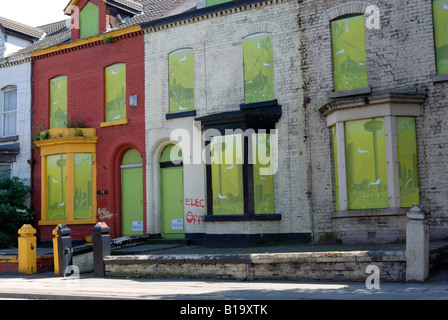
[(2, 43), (400, 59), (219, 86), (20, 76)]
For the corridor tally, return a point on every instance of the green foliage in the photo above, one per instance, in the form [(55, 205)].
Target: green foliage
[(79, 133), (40, 133), (76, 124), (109, 40), (13, 211)]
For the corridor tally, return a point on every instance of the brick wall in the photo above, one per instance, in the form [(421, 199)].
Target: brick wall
[(219, 86), (84, 68), (10, 264), (400, 59), (102, 16)]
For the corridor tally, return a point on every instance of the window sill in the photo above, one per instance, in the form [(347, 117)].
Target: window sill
[(369, 213), (242, 217), (191, 113), (9, 139), (114, 123), (349, 93), (67, 222), (440, 78), (256, 105)]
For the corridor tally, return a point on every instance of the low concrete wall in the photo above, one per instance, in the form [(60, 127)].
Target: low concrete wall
[(323, 266), (83, 255)]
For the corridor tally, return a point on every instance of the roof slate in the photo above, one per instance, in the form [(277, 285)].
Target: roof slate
[(134, 5), (152, 9), (15, 26), (56, 33)]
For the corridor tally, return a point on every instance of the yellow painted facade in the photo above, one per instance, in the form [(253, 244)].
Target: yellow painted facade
[(114, 123), (64, 142), (55, 250)]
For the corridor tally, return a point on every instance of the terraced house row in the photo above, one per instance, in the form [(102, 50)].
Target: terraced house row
[(231, 123)]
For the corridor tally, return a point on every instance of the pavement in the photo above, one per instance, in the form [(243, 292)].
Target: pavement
[(46, 286)]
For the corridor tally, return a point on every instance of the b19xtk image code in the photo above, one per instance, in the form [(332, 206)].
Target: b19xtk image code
[(228, 309)]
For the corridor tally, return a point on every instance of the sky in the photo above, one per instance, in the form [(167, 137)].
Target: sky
[(33, 12)]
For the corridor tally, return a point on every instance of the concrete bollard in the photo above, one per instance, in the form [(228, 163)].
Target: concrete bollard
[(27, 250), (101, 247), (417, 245), (62, 250)]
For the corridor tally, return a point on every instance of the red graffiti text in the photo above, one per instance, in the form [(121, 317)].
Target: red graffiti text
[(195, 203), (193, 218)]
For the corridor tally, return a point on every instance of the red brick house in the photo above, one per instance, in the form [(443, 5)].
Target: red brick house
[(89, 121)]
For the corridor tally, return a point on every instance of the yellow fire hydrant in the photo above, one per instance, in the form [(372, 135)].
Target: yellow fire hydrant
[(27, 250)]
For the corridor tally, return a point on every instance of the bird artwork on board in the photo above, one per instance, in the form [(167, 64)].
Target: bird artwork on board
[(377, 182), (362, 151)]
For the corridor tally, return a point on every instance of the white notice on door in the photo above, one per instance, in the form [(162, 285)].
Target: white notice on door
[(177, 224), (137, 225)]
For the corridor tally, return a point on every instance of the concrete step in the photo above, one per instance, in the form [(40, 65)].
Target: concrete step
[(442, 264), (150, 246), (444, 254), (184, 242)]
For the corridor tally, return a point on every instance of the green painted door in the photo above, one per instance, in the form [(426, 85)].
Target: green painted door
[(132, 194), (172, 196)]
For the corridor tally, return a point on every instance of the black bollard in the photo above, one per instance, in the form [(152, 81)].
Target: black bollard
[(101, 247), (62, 250)]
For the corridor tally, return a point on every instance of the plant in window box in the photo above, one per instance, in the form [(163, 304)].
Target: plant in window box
[(71, 128), (79, 133), (40, 133), (76, 124)]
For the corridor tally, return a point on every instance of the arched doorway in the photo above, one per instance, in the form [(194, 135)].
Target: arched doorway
[(172, 193), (132, 193)]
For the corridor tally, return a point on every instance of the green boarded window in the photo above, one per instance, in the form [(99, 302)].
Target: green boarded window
[(336, 166), (366, 164), (56, 187), (440, 13), (132, 157), (407, 162), (89, 20), (228, 178), (215, 2), (349, 53), (58, 102), (258, 68), (227, 174), (116, 92), (181, 80), (83, 185), (172, 153), (263, 174)]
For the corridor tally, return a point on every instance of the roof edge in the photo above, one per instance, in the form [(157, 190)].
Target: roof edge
[(68, 8), (192, 14), (84, 41)]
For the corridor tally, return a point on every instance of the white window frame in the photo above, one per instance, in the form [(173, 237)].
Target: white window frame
[(388, 107), (9, 112)]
